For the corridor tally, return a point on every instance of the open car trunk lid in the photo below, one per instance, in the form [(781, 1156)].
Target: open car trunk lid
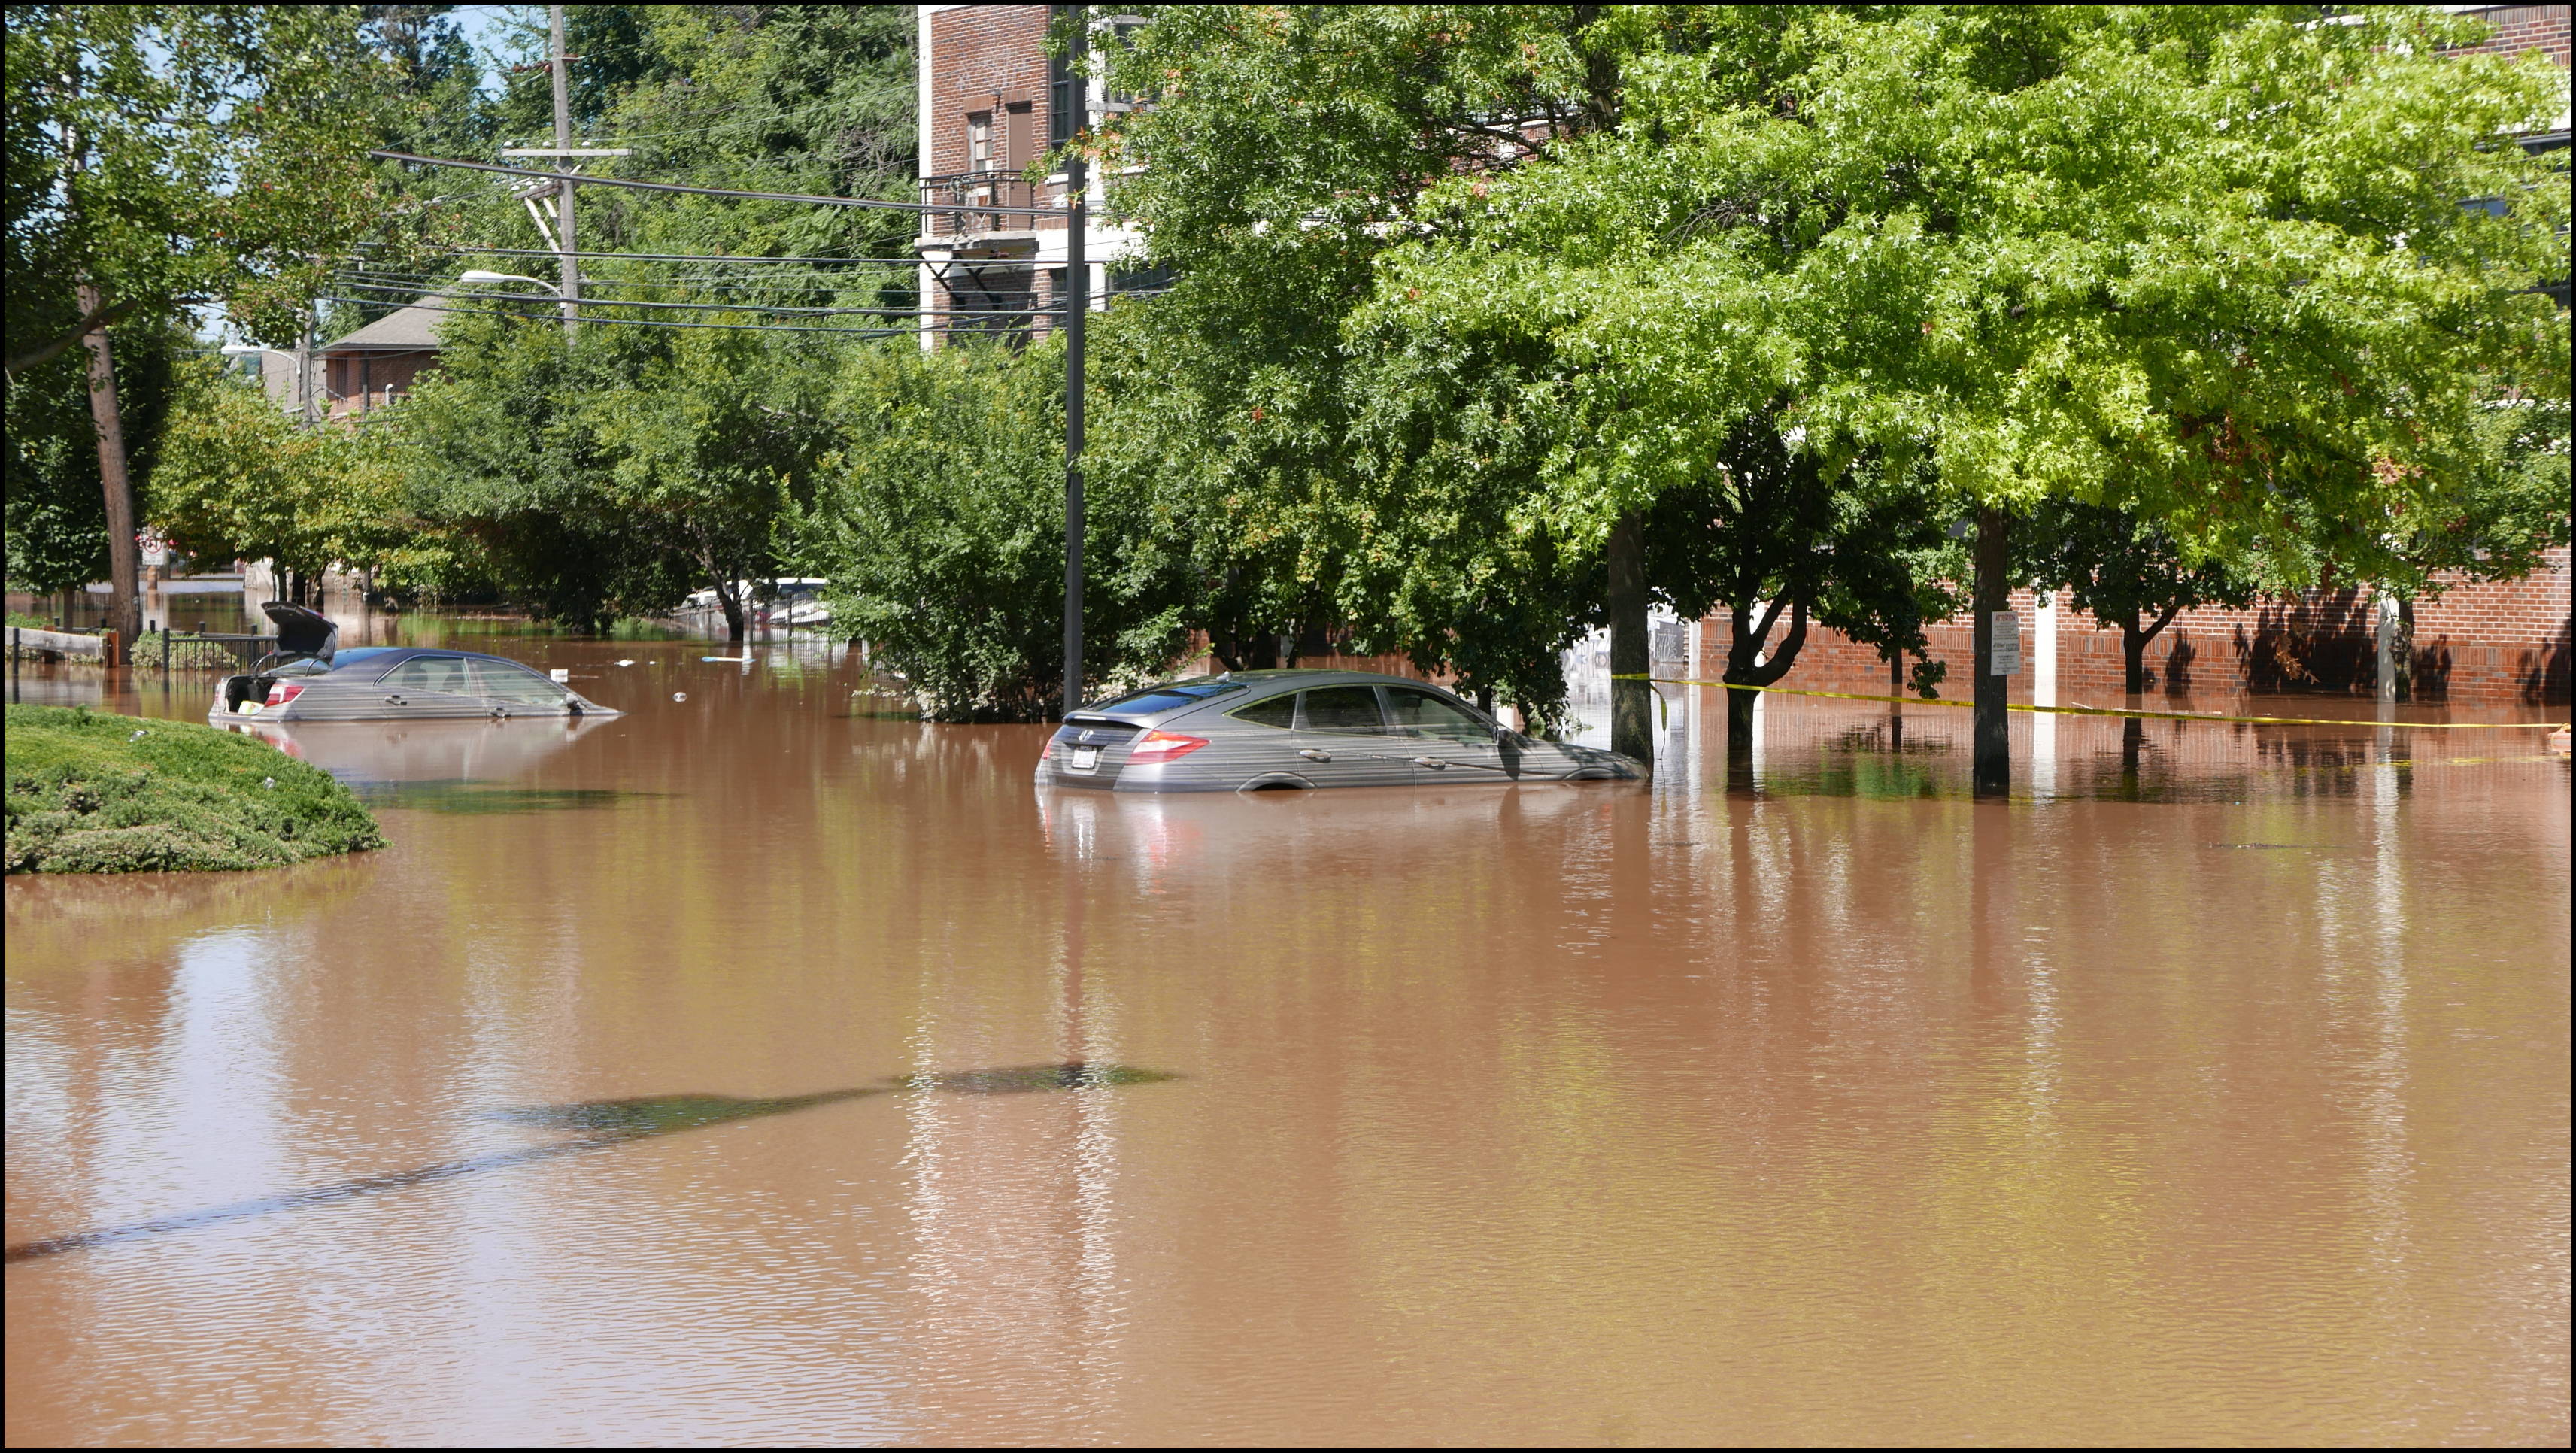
[(302, 634)]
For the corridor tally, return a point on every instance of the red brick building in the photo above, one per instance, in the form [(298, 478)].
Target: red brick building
[(994, 104)]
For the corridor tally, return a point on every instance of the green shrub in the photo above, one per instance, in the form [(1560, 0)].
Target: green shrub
[(91, 792)]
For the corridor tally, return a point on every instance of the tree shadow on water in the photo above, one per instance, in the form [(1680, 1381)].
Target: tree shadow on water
[(602, 1125)]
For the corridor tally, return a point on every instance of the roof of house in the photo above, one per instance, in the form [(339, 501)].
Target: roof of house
[(408, 330)]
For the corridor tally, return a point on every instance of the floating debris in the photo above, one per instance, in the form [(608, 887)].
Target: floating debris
[(679, 696)]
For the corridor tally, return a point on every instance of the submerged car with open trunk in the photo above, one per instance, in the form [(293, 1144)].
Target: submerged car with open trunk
[(308, 678)]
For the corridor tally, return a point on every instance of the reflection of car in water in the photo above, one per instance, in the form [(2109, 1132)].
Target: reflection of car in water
[(308, 678), (1249, 731), (394, 752)]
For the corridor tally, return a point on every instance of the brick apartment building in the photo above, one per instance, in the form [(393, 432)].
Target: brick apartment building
[(993, 103)]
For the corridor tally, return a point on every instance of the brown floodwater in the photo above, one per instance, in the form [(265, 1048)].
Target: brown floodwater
[(767, 1067)]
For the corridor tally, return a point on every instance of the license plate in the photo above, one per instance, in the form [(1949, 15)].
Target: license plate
[(1086, 759), (248, 708)]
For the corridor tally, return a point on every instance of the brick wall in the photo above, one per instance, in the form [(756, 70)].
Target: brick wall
[(2492, 644), (2519, 28), (985, 58)]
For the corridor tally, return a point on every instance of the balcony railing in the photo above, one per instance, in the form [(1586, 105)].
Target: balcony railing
[(967, 204)]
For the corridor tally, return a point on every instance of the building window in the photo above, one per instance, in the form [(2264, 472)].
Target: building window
[(979, 142), (1064, 88)]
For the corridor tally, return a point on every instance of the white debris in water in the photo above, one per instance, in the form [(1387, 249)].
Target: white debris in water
[(679, 696), (627, 662)]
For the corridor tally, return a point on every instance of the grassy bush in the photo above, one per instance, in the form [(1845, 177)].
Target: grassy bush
[(90, 792)]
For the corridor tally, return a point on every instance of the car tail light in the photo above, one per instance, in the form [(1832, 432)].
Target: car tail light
[(283, 692), (1163, 747)]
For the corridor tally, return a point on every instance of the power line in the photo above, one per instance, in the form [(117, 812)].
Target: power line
[(866, 202), (641, 322), (693, 256), (703, 307)]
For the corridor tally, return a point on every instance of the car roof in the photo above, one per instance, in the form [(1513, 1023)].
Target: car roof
[(382, 657), (1263, 684)]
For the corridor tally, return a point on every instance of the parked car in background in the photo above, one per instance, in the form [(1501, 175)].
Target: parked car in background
[(1251, 731), (308, 678)]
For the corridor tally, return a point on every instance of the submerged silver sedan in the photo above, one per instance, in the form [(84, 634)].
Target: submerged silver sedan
[(308, 678), (1250, 731)]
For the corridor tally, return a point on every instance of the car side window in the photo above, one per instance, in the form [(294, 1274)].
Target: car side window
[(429, 673), (1424, 714), (1342, 709), (1279, 711), (510, 682)]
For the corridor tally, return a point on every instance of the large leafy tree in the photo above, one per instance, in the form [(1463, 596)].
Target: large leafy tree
[(239, 479), (2205, 264), (1284, 152), (672, 436), (159, 157), (940, 523)]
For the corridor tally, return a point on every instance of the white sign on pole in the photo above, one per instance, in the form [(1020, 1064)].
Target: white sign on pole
[(2004, 654)]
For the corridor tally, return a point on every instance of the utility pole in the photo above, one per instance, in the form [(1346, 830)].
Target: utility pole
[(571, 274), (1076, 302), (1996, 660), (304, 368)]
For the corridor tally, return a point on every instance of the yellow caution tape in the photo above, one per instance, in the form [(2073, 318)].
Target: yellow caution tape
[(2114, 711)]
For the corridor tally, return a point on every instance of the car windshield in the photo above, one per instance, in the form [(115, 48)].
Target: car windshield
[(1170, 696)]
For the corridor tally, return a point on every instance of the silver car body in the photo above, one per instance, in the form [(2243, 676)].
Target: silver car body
[(1259, 730), (403, 683)]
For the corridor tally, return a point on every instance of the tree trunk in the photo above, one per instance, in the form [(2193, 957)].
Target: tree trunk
[(124, 557), (1992, 732), (731, 600), (1632, 702), (2134, 640)]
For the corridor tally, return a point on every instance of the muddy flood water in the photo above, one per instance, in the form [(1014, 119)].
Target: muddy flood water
[(768, 1067)]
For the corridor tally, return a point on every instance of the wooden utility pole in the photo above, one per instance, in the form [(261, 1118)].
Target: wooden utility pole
[(567, 248)]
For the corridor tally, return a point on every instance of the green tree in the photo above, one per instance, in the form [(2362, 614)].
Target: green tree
[(238, 479), (1284, 154), (2204, 264), (941, 527), (2127, 572), (166, 155)]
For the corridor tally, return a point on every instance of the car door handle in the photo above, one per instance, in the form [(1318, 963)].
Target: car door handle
[(396, 701), (1439, 762), (1314, 754)]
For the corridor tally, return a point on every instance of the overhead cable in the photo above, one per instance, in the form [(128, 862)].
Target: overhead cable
[(636, 322), (587, 300), (867, 202)]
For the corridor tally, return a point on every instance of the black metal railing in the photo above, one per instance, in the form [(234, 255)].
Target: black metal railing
[(966, 204)]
